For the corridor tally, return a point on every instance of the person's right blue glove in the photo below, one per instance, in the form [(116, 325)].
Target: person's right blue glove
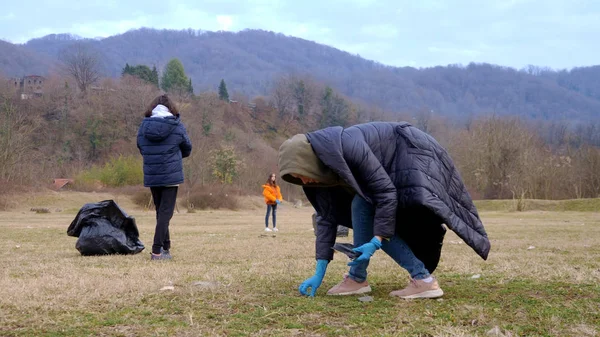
[(278, 201), (367, 250), (315, 281)]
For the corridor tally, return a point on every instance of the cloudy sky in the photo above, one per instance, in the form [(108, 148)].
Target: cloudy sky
[(420, 33)]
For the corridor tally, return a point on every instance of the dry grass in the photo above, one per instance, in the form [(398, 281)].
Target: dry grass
[(570, 205), (48, 289)]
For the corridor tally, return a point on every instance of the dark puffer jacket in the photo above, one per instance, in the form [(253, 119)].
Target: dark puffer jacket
[(163, 142), (410, 179)]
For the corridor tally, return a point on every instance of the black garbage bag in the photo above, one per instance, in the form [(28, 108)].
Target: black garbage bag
[(342, 231), (104, 228)]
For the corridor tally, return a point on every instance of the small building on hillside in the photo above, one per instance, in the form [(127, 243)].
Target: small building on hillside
[(62, 184), (28, 86)]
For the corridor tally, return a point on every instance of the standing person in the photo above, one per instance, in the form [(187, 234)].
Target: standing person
[(163, 143), (273, 197), (395, 186)]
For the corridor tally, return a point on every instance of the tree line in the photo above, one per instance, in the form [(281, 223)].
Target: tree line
[(64, 133)]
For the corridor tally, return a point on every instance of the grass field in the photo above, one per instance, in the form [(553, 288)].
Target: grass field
[(248, 282)]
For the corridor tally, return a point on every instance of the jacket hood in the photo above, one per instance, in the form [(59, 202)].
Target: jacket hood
[(296, 156), (157, 129)]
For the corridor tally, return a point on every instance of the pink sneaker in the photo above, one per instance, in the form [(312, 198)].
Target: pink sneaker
[(420, 289), (349, 287)]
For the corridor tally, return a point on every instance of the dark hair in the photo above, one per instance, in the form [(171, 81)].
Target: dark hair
[(269, 180), (163, 100)]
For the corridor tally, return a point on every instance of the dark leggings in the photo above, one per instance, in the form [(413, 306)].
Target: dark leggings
[(164, 200)]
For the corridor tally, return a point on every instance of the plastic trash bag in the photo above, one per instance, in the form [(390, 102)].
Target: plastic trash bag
[(342, 231), (104, 228), (346, 248)]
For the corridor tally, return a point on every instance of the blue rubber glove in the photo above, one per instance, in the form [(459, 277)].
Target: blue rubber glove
[(315, 281), (367, 250), (278, 201)]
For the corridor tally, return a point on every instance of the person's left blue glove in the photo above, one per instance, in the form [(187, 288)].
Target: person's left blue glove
[(278, 201), (367, 250), (313, 283)]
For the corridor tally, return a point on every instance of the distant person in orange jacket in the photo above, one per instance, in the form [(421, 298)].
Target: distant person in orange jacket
[(273, 198)]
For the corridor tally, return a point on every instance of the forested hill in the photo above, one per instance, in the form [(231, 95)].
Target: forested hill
[(251, 60)]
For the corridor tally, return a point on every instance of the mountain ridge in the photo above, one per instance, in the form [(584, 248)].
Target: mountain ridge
[(251, 61)]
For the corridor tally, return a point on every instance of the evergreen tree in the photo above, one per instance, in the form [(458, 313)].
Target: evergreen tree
[(335, 111), (142, 72), (223, 94), (126, 70), (190, 87), (326, 106), (154, 77), (174, 78), (300, 96)]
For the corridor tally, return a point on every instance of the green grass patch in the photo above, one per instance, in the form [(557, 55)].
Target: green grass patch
[(523, 307), (117, 172)]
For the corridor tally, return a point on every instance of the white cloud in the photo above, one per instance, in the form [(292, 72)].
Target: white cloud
[(363, 3), (384, 31), (508, 4), (301, 30), (186, 17), (455, 51), (8, 16), (225, 22), (107, 28), (507, 32), (324, 30), (432, 5), (308, 31), (43, 31)]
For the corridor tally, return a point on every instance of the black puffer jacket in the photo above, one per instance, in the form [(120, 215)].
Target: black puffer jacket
[(410, 179), (163, 142)]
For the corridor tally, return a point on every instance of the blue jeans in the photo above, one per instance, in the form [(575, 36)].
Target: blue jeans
[(363, 215), (274, 208)]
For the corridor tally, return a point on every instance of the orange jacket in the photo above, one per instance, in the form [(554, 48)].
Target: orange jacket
[(271, 194)]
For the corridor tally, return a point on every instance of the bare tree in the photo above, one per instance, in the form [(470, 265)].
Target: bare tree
[(82, 64), (282, 98), (17, 125), (134, 95), (423, 120)]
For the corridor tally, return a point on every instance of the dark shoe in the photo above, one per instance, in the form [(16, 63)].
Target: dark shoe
[(342, 231), (161, 256), (167, 254)]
